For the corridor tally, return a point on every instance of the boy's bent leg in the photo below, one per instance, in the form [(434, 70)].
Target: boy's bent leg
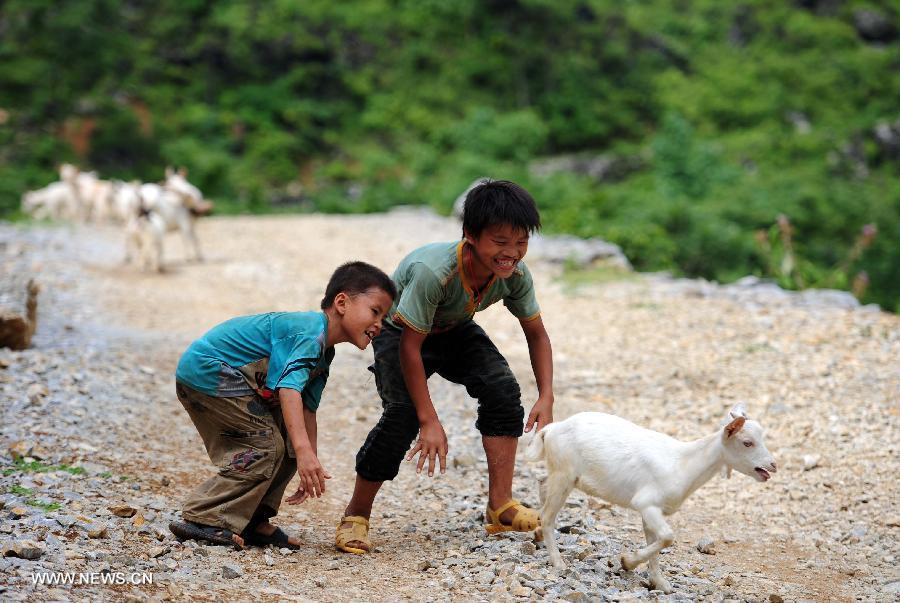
[(501, 460), (380, 456), (271, 501), (286, 468), (483, 370), (376, 462), (240, 438)]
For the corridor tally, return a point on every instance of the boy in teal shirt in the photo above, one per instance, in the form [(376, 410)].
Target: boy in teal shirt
[(430, 330), (252, 386)]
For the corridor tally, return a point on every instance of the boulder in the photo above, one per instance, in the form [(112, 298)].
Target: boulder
[(18, 315)]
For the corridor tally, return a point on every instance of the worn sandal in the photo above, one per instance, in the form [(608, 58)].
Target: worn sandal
[(187, 530), (358, 532), (279, 538), (525, 519)]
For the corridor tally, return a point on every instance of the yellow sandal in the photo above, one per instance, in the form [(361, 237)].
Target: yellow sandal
[(525, 519), (358, 532)]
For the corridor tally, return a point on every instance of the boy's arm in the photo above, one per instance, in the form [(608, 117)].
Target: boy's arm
[(541, 355), (301, 427), (432, 439)]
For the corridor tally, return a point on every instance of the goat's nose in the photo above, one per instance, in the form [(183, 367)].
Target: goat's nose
[(774, 468)]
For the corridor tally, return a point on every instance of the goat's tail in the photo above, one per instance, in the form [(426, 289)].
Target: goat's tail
[(535, 450)]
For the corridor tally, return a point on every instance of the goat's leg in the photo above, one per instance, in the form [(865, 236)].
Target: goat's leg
[(154, 246), (557, 491), (129, 247), (654, 520), (657, 580), (191, 244), (157, 254), (133, 243)]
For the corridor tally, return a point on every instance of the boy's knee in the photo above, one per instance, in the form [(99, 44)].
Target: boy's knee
[(382, 453), (502, 417)]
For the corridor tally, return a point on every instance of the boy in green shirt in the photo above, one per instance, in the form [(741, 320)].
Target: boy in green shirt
[(429, 330)]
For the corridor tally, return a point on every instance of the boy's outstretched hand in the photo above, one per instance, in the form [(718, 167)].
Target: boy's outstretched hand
[(312, 476), (297, 497), (432, 442), (541, 414)]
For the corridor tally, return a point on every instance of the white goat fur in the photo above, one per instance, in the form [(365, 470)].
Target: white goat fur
[(53, 202), (630, 466), (167, 207)]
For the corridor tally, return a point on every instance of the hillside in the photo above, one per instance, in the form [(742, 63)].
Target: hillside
[(680, 131)]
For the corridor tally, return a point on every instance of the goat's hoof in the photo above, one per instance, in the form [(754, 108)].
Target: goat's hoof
[(662, 585), (559, 564), (628, 563), (538, 534)]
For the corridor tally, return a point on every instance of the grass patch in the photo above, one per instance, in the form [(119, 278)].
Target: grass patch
[(20, 491), (645, 306), (574, 277), (21, 466), (31, 500), (46, 506)]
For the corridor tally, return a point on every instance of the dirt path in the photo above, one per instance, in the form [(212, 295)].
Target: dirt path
[(669, 355)]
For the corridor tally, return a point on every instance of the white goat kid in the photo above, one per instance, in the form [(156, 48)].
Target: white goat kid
[(630, 466)]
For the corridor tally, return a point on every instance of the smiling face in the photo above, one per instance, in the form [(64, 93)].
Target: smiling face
[(361, 315), (497, 250)]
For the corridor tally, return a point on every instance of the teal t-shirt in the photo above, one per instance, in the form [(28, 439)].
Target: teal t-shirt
[(433, 294), (261, 353)]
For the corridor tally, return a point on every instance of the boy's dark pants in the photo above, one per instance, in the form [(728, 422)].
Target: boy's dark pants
[(464, 355), (246, 439)]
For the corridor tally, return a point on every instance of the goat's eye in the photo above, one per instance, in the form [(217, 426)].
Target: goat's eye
[(748, 443)]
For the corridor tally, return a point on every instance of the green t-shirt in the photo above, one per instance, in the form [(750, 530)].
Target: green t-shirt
[(435, 295)]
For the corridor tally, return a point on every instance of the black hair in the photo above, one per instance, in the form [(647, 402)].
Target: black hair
[(354, 278), (499, 202)]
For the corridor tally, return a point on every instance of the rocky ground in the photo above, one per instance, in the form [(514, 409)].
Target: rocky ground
[(97, 453)]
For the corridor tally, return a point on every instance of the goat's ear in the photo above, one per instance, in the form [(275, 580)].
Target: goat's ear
[(182, 172), (735, 426), (738, 410), (169, 172)]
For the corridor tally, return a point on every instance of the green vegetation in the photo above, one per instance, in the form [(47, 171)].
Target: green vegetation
[(20, 491), (724, 114), (46, 506), (573, 276), (22, 466), (31, 501)]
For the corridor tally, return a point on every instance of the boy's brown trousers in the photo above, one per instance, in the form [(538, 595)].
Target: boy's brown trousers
[(246, 440)]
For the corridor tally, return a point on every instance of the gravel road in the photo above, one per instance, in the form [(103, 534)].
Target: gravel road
[(97, 453)]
